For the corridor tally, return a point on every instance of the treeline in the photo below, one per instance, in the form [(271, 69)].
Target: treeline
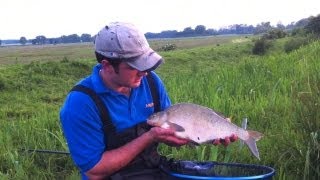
[(199, 30), (73, 38), (41, 39), (307, 33)]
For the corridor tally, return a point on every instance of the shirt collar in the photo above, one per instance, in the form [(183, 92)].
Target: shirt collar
[(97, 81)]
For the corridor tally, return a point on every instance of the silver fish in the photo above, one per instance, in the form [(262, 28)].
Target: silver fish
[(202, 125)]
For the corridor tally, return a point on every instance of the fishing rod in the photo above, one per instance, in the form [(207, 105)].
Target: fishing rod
[(244, 125), (45, 151)]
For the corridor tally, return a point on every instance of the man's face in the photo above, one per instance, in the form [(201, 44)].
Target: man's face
[(128, 76)]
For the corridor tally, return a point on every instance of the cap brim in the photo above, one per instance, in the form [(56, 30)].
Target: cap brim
[(147, 62)]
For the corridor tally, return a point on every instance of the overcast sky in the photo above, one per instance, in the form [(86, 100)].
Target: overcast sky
[(53, 18)]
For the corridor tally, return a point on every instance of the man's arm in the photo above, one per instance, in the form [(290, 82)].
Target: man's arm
[(114, 160)]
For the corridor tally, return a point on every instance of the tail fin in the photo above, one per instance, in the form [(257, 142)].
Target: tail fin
[(251, 142)]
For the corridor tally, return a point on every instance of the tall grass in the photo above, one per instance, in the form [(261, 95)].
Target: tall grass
[(278, 93), (31, 96)]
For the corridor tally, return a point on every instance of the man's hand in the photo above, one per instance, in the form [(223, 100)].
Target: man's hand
[(226, 141), (167, 136)]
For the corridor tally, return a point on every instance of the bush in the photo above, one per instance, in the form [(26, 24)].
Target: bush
[(275, 34), (295, 43), (2, 84), (298, 32), (261, 46), (168, 47)]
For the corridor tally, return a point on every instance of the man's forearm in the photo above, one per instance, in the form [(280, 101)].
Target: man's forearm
[(115, 159)]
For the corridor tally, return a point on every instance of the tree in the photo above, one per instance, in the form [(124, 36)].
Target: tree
[(86, 38), (0, 42), (52, 41), (33, 41), (281, 26), (263, 28), (73, 38), (275, 33), (41, 39), (23, 40), (188, 31), (200, 29), (302, 23), (314, 25), (298, 32), (211, 31)]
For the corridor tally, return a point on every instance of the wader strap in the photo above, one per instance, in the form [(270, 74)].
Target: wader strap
[(154, 92), (104, 113)]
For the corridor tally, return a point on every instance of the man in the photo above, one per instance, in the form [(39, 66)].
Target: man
[(110, 139)]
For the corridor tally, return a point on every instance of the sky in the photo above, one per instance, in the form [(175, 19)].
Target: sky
[(54, 18)]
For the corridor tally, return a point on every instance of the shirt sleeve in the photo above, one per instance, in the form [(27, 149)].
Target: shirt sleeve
[(83, 130)]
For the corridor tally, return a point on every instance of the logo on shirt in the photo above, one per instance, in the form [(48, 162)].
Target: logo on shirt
[(149, 105)]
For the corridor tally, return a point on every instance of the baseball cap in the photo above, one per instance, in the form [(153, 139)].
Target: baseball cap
[(124, 41)]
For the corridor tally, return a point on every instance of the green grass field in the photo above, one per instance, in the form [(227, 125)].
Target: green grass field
[(83, 51), (279, 93)]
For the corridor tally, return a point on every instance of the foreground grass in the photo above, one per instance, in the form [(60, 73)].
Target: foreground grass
[(279, 94), (31, 96)]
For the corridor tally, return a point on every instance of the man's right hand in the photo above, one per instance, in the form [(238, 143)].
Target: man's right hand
[(167, 136)]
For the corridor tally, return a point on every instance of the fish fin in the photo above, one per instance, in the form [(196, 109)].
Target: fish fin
[(255, 135), (219, 113), (223, 116), (251, 142), (176, 127)]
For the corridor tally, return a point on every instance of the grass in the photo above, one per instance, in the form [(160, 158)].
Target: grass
[(279, 94), (28, 54), (83, 51)]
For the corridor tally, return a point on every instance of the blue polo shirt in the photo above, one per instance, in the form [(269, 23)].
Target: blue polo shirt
[(80, 118)]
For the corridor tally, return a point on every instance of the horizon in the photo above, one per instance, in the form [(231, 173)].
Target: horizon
[(145, 32), (53, 19)]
